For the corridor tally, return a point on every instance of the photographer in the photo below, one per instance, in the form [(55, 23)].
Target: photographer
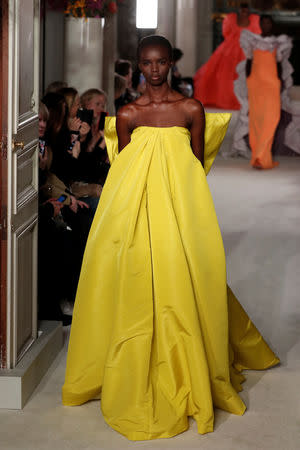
[(93, 157), (65, 151), (78, 126)]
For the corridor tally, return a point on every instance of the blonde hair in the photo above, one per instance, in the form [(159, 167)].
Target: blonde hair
[(69, 94), (43, 111), (87, 96)]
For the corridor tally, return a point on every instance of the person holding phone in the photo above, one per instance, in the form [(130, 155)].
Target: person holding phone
[(43, 152), (93, 159), (95, 100), (76, 124)]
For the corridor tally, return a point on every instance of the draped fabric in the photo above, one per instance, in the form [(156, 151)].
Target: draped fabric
[(155, 329), (213, 82), (266, 95)]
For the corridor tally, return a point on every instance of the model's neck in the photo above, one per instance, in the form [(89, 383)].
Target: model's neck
[(158, 94)]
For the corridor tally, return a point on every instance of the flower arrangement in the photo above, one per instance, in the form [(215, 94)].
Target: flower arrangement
[(85, 8)]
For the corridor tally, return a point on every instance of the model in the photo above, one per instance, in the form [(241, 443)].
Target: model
[(155, 330), (213, 82), (262, 89)]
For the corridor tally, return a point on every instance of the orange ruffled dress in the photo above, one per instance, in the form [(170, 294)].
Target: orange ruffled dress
[(213, 82)]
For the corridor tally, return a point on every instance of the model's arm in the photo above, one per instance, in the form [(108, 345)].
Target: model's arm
[(124, 126), (197, 129)]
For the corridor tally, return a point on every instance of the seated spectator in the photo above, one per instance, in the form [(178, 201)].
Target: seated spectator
[(50, 185), (94, 156), (139, 82), (59, 259), (60, 162), (184, 85), (65, 152), (83, 186), (175, 74), (56, 86), (120, 89), (123, 67), (75, 124)]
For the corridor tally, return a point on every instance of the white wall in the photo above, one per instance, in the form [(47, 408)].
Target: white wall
[(187, 24), (53, 47)]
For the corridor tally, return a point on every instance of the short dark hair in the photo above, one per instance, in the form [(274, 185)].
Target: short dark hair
[(122, 67), (154, 40), (177, 54), (56, 86), (244, 5), (266, 16)]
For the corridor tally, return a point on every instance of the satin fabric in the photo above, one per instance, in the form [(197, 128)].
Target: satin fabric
[(264, 107), (155, 330), (213, 82)]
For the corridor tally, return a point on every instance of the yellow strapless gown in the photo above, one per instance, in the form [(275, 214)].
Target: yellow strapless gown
[(155, 329)]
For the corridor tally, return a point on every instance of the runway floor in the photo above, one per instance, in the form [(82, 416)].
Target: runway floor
[(259, 215)]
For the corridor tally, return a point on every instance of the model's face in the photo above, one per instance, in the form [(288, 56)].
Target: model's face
[(97, 104), (155, 64), (266, 26), (42, 125)]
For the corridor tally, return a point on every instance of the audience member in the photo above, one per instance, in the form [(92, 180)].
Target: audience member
[(120, 89), (123, 67), (184, 85), (65, 152), (63, 167), (138, 82), (55, 86), (94, 155), (57, 255)]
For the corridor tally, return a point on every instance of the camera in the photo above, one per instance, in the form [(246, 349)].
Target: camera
[(86, 115), (102, 120)]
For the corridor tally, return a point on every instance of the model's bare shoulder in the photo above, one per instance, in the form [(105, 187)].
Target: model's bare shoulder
[(126, 112), (193, 110), (127, 115), (193, 106)]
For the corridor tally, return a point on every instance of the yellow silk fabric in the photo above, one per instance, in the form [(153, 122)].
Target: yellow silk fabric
[(216, 125), (155, 330)]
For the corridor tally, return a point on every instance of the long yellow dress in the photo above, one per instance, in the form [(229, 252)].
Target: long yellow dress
[(155, 330)]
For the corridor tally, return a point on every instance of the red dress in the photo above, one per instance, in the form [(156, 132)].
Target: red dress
[(213, 82)]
